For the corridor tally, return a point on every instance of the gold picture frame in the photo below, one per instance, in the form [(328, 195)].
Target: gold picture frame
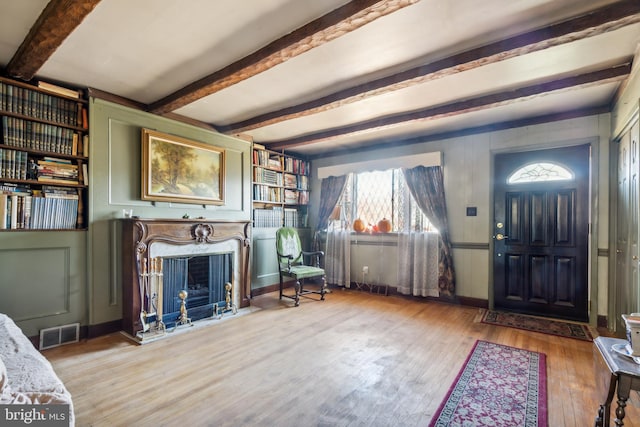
[(176, 169)]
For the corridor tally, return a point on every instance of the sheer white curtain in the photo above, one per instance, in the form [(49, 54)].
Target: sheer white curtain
[(418, 264), (338, 258)]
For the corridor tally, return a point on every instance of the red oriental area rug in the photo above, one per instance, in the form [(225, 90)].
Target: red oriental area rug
[(537, 324), (498, 386)]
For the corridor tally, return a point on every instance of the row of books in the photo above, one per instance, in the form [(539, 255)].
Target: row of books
[(264, 193), (296, 197), (13, 164), (16, 164), (22, 133), (294, 218), (267, 217), (280, 162), (301, 182), (267, 194), (268, 159), (42, 106), (267, 176), (296, 166), (49, 208)]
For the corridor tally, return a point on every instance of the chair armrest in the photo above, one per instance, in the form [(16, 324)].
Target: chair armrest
[(288, 257), (317, 254), (321, 253)]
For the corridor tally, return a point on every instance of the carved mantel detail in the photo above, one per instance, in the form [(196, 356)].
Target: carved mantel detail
[(140, 234), (201, 232)]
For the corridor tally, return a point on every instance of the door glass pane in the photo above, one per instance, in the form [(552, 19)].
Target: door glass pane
[(538, 172)]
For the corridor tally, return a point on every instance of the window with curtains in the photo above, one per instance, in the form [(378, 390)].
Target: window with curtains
[(372, 196)]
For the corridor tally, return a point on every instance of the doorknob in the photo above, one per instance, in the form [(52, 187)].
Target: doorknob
[(500, 236)]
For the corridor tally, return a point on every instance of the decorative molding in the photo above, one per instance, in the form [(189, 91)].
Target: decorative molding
[(603, 252)]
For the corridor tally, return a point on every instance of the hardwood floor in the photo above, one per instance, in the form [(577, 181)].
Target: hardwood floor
[(355, 359)]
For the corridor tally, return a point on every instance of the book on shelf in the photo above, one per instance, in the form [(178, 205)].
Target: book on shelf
[(290, 197), (59, 90), (290, 180), (85, 146)]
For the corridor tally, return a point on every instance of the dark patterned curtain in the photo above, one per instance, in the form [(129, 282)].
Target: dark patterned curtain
[(426, 185), (330, 192)]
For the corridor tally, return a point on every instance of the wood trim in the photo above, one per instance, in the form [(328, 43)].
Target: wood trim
[(598, 22), (93, 331), (333, 25), (58, 19), (470, 246), (608, 75), (473, 302), (129, 103)]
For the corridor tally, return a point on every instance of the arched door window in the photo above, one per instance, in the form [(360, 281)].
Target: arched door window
[(540, 172)]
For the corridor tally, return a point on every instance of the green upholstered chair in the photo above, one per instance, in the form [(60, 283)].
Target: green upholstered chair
[(297, 264)]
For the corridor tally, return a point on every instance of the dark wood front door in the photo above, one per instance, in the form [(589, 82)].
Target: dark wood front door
[(541, 233)]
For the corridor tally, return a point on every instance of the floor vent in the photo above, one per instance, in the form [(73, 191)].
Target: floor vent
[(65, 334)]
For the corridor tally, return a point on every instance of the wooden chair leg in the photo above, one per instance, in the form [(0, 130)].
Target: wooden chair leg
[(298, 291), (323, 290)]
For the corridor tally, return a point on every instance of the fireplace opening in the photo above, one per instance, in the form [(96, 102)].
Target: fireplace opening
[(203, 277)]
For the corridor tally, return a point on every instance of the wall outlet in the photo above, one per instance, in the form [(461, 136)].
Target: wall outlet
[(365, 269)]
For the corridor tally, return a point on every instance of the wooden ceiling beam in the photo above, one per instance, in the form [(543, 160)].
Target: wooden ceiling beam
[(57, 20), (343, 20), (474, 130), (608, 75), (600, 21)]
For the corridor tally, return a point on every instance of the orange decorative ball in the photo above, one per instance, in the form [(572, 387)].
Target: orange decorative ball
[(359, 225), (384, 225)]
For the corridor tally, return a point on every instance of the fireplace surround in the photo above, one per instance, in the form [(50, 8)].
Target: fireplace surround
[(146, 240)]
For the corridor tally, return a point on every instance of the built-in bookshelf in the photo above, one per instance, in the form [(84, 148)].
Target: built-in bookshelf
[(280, 189), (44, 156)]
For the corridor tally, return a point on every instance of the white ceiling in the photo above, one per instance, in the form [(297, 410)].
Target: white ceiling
[(146, 50)]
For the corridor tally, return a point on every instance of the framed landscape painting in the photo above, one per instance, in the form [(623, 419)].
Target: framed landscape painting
[(176, 169)]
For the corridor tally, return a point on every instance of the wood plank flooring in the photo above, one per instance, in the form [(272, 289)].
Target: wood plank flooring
[(356, 359)]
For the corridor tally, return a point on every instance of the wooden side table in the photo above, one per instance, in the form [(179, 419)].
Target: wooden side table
[(613, 372)]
